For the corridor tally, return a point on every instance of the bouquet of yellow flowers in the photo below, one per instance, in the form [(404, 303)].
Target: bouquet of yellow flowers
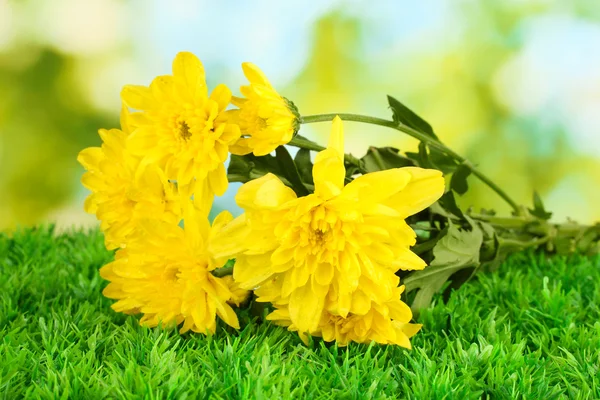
[(338, 245)]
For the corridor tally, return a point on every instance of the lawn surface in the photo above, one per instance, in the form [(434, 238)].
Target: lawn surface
[(529, 331)]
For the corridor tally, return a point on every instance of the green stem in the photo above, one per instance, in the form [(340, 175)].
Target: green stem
[(221, 272), (309, 145), (428, 140), (524, 245)]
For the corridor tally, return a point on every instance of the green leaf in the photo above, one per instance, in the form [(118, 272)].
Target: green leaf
[(588, 243), (458, 182), (288, 168), (246, 168), (442, 161), (432, 158), (382, 158), (304, 165), (456, 250), (406, 116), (421, 158), (448, 202), (352, 170), (538, 208), (492, 253)]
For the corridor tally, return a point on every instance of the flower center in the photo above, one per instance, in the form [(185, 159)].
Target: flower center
[(171, 273), (184, 130), (261, 123), (317, 238), (322, 234)]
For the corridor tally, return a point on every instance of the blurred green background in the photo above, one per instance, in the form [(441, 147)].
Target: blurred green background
[(512, 84)]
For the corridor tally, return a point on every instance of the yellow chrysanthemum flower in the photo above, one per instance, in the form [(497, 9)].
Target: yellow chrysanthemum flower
[(337, 249), (266, 119), (182, 129), (123, 190), (387, 323), (164, 273)]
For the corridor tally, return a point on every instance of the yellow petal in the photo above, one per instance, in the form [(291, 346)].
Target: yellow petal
[(162, 88), (90, 205), (112, 291), (242, 147), (185, 172), (231, 133), (402, 340), (324, 273), (90, 158), (141, 141), (280, 314), (379, 252), (107, 271), (227, 314), (92, 182), (264, 148), (188, 69), (289, 283), (328, 174), (329, 171), (399, 310), (344, 304), (250, 275), (380, 210), (230, 240), (304, 337), (203, 195), (148, 180), (218, 180), (305, 308), (222, 96), (254, 74), (406, 260), (114, 141), (221, 220), (336, 137), (266, 192), (425, 187), (411, 330), (126, 123), (197, 227), (361, 303), (138, 97), (282, 256), (378, 186), (238, 101)]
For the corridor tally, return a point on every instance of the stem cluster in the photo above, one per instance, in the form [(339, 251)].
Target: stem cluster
[(519, 231)]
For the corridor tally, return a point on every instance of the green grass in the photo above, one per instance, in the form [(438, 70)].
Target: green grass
[(530, 331)]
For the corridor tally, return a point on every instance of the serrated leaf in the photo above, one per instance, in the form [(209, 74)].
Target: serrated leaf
[(382, 158), (406, 116), (448, 202), (245, 168), (491, 254), (432, 158), (289, 170), (442, 161), (248, 167), (458, 182), (456, 250), (538, 208)]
